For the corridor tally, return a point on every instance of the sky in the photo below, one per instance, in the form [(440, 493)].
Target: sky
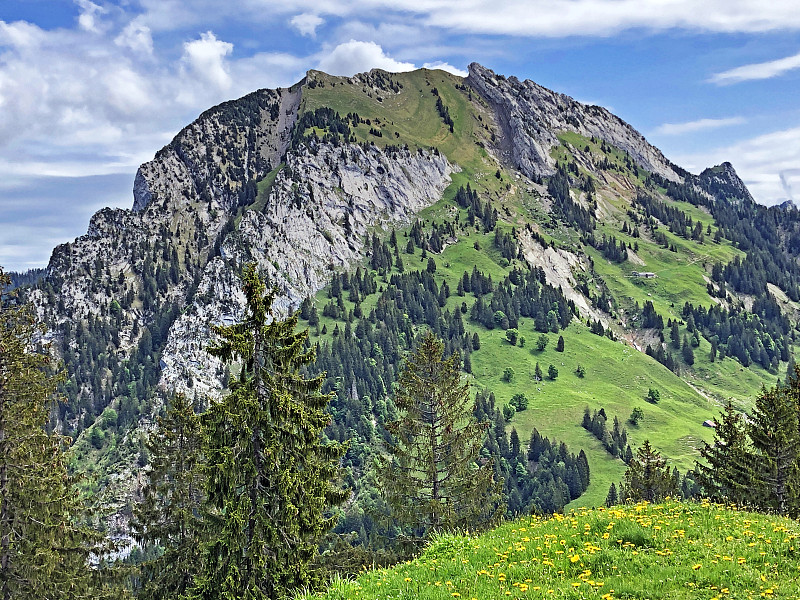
[(89, 90)]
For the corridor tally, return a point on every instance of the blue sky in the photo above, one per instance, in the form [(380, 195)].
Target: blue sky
[(91, 89)]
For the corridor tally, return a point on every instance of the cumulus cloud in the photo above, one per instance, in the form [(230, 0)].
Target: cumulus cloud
[(306, 23), (698, 125), (354, 57), (205, 59), (764, 70), (445, 67)]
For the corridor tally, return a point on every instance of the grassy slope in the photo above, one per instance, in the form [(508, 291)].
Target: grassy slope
[(670, 551), (618, 376)]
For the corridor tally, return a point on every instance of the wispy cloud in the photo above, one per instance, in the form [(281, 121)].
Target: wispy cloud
[(755, 71), (766, 163), (698, 125)]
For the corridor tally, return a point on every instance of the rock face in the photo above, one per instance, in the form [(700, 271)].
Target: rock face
[(530, 116), (304, 232), (724, 182)]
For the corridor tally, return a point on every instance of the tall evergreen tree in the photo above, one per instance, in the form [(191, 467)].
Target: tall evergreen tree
[(170, 515), (648, 477), (775, 435), (44, 551), (434, 478), (269, 476), (726, 473)]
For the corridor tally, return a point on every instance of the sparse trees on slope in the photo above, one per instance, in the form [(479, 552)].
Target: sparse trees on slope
[(434, 478), (170, 515), (269, 474)]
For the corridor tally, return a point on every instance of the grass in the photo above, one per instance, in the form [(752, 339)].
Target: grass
[(665, 551)]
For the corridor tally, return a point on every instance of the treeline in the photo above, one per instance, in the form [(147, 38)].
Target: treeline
[(443, 111)]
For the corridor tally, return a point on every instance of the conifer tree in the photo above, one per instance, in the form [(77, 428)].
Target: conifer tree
[(648, 477), (775, 435), (269, 476), (44, 551), (726, 472), (170, 514), (434, 478)]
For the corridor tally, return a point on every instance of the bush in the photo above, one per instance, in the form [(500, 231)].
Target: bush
[(552, 372), (653, 396), (508, 374), (580, 371), (519, 402), (636, 415), (541, 342)]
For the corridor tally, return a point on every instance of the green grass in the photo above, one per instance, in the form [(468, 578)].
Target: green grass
[(669, 551)]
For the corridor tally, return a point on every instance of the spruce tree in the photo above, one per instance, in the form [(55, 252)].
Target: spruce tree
[(648, 477), (269, 475), (726, 473), (44, 551), (433, 477), (775, 435), (170, 514)]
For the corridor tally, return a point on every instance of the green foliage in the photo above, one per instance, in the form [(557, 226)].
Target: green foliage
[(511, 336), (637, 414), (519, 402), (580, 371), (541, 342), (648, 477), (432, 478), (653, 396), (170, 516), (44, 549), (775, 435), (268, 475), (508, 374), (552, 372), (726, 471)]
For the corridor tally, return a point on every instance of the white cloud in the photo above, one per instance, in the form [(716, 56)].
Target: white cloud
[(306, 23), (445, 67), (354, 57), (136, 36), (759, 161), (86, 20), (698, 125), (764, 70), (205, 59)]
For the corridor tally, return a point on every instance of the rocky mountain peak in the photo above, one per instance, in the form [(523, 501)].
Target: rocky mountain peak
[(530, 117)]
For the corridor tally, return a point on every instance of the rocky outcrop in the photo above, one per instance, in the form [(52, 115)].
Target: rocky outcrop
[(321, 207), (724, 183), (530, 117)]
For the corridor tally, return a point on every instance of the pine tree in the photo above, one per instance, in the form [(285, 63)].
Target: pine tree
[(775, 435), (269, 476), (648, 477), (44, 551), (433, 477), (170, 515), (726, 471), (612, 498)]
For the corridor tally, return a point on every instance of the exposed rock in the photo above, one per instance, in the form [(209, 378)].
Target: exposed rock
[(304, 233), (530, 117)]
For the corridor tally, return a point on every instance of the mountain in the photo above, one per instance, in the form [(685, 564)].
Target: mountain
[(483, 207)]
